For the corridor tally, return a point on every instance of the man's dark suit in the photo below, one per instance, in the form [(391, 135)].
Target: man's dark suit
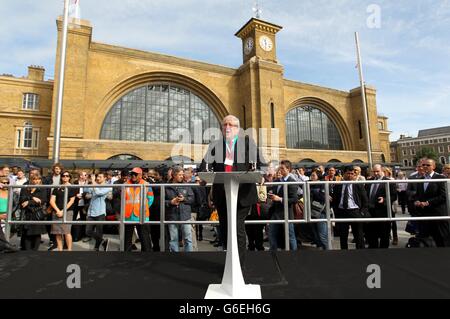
[(378, 233), (276, 211), (435, 195), (361, 200), (247, 195)]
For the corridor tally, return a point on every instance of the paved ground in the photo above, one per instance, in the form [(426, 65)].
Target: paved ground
[(208, 236)]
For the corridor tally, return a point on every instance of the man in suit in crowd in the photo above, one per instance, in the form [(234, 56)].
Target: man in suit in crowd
[(276, 212), (378, 233), (350, 201), (233, 152), (430, 200)]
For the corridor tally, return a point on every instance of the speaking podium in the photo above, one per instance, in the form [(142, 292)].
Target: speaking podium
[(233, 285)]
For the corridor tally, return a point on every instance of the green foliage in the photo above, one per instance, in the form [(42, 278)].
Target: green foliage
[(426, 152)]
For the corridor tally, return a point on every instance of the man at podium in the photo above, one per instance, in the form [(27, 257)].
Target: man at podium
[(233, 152)]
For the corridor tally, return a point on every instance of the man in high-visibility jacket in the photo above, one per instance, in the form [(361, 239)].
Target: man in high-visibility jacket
[(133, 210)]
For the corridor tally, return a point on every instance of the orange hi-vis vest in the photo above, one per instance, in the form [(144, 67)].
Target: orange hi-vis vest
[(133, 201)]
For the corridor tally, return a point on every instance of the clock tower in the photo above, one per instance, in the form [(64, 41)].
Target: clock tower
[(258, 39), (261, 86)]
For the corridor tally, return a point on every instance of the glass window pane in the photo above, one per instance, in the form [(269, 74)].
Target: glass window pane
[(28, 137), (152, 112), (309, 128), (30, 101)]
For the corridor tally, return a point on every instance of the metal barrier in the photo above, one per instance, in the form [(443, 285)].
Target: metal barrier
[(306, 187)]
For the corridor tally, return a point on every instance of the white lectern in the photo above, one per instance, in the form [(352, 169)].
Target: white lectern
[(233, 285)]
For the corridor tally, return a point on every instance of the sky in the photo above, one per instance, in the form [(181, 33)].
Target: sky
[(405, 44)]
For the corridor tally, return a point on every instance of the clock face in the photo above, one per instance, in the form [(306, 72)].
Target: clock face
[(265, 43), (248, 45)]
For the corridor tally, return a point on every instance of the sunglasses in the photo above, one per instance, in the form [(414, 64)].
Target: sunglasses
[(134, 174), (65, 175), (5, 182)]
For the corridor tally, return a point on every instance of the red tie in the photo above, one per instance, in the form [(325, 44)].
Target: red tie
[(229, 155)]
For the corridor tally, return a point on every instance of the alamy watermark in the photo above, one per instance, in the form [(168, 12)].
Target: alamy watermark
[(263, 145), (73, 281), (374, 279), (374, 18)]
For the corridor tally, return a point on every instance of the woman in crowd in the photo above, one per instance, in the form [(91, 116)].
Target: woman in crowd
[(32, 202), (57, 203), (320, 230), (446, 170), (401, 191)]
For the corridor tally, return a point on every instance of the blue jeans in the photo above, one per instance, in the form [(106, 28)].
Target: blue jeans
[(322, 231), (186, 232), (274, 232)]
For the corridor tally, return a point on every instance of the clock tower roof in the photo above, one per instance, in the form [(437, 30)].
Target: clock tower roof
[(258, 24)]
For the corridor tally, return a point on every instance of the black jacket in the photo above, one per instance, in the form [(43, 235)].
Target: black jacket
[(359, 196), (215, 157), (276, 211), (435, 195), (183, 211), (26, 195), (377, 209)]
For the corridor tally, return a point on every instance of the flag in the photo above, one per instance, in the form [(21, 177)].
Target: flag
[(74, 9)]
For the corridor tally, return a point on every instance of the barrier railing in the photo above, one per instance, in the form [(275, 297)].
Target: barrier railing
[(306, 187)]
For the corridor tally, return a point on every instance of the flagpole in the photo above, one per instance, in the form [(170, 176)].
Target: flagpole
[(364, 103), (62, 66)]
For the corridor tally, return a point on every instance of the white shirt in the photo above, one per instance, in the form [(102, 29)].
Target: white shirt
[(425, 185), (20, 182), (402, 187), (351, 200)]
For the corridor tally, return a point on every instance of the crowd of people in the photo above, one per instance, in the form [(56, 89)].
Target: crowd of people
[(187, 203)]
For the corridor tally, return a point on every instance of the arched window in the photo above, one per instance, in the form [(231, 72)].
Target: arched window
[(152, 112), (442, 160), (309, 128)]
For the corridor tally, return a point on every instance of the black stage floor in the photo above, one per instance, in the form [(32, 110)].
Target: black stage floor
[(405, 273)]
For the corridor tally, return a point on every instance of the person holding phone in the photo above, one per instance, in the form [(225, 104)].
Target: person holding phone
[(179, 202)]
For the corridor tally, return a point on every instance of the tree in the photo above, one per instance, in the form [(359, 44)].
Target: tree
[(427, 152)]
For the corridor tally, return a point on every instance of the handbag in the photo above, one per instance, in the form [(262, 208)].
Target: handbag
[(36, 213), (262, 193), (298, 210), (316, 209)]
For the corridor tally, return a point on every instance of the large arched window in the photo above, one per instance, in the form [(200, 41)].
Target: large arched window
[(309, 128), (152, 112)]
